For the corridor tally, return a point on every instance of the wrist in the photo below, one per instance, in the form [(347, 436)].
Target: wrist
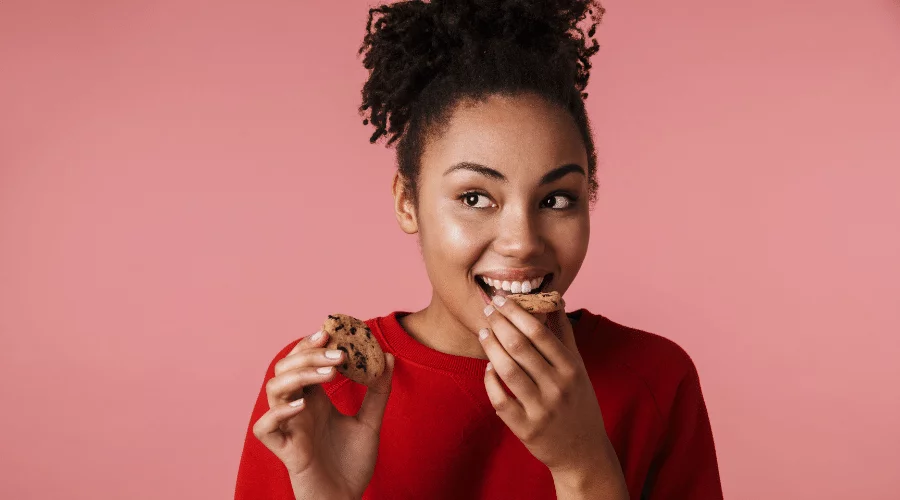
[(306, 489), (598, 479), (595, 486), (598, 485)]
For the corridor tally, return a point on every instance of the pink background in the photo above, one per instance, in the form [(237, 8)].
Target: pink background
[(173, 175)]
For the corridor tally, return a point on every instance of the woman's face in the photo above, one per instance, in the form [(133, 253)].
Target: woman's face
[(503, 204)]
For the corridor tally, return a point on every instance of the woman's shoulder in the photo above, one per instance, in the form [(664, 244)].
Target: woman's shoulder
[(603, 341), (636, 365)]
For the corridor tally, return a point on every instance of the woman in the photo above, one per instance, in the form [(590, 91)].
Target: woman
[(480, 399)]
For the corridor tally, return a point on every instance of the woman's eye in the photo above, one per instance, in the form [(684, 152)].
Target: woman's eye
[(557, 201), (476, 200)]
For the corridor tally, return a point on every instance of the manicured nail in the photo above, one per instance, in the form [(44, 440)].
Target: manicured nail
[(316, 337), (335, 354), (324, 370), (488, 310), (296, 403), (482, 334), (489, 366), (499, 300)]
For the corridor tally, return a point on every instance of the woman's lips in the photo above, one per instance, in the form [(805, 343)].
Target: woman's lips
[(487, 300)]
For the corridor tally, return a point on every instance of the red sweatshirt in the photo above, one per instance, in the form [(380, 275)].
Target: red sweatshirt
[(442, 440)]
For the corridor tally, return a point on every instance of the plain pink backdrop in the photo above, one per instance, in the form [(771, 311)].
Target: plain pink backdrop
[(173, 175)]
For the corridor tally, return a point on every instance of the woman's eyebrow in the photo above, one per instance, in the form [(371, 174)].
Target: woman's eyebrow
[(558, 173), (477, 168), (550, 177)]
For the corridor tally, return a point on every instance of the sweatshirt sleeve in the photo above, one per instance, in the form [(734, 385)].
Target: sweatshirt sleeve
[(685, 465), (260, 473)]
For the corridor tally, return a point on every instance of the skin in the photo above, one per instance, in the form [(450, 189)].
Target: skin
[(515, 223), (523, 138)]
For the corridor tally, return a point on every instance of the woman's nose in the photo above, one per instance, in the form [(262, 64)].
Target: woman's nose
[(518, 236)]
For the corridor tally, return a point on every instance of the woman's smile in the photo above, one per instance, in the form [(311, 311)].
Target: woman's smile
[(503, 282)]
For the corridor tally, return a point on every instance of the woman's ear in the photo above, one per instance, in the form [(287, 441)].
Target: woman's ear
[(404, 207)]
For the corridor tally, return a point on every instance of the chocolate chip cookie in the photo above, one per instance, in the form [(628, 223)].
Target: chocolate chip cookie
[(538, 303), (364, 360)]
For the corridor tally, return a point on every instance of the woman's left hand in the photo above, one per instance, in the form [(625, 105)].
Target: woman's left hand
[(553, 409)]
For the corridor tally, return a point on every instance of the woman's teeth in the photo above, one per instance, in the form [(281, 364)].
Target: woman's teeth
[(514, 286)]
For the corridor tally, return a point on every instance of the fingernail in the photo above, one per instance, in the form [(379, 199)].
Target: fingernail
[(317, 336), (296, 403), (499, 300), (335, 354), (488, 310), (324, 370), (489, 366), (482, 334)]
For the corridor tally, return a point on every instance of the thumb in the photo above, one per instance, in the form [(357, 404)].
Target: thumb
[(560, 325), (375, 401)]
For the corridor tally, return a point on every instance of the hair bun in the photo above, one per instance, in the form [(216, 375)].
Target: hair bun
[(408, 44), (531, 24)]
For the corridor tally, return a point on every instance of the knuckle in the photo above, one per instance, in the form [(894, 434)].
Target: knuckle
[(565, 393), (533, 331), (258, 428), (517, 346), (568, 377), (555, 396), (542, 421), (501, 403), (507, 373), (529, 434)]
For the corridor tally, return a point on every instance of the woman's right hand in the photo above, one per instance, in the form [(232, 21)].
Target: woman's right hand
[(327, 454)]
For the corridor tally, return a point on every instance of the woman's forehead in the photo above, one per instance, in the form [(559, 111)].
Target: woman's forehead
[(507, 132)]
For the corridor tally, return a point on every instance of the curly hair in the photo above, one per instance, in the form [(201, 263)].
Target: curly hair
[(424, 57)]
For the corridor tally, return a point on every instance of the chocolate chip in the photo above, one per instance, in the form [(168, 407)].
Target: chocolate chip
[(339, 327), (368, 334), (332, 317), (352, 330)]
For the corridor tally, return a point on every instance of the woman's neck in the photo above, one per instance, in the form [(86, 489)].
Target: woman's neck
[(437, 328)]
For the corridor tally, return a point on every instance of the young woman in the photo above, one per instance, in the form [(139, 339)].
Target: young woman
[(481, 399)]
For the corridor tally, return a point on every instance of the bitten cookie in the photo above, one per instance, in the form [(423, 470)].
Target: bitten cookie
[(364, 359), (538, 303)]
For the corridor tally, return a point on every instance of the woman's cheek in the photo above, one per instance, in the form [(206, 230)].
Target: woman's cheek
[(572, 248), (460, 235)]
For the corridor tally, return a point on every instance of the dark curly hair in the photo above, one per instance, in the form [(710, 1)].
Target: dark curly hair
[(423, 58)]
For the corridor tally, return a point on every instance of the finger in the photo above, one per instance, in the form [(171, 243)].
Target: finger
[(311, 357), (541, 337), (375, 401), (520, 347), (290, 385), (507, 408), (268, 428), (559, 324), (317, 339), (521, 385)]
